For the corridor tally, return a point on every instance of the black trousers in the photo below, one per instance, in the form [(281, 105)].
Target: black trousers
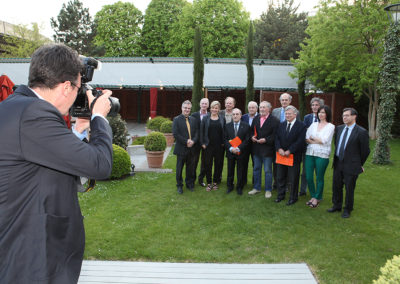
[(291, 175), (341, 179), (181, 160), (240, 172), (214, 153), (199, 152)]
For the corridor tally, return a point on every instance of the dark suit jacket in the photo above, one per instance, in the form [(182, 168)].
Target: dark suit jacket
[(181, 134), (356, 151), (267, 131), (42, 236), (205, 123), (294, 142), (196, 115), (244, 135), (245, 118), (308, 119)]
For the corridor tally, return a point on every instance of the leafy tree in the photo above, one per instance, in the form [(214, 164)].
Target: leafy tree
[(75, 28), (118, 29), (160, 15), (279, 31), (249, 65), (23, 42), (223, 25), (344, 50), (198, 71)]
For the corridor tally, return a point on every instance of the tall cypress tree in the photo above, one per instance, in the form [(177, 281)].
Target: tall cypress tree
[(198, 71), (249, 65)]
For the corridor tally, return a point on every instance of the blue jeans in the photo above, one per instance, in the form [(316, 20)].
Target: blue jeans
[(258, 162)]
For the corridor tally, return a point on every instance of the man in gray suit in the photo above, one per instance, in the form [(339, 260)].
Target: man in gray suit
[(42, 237)]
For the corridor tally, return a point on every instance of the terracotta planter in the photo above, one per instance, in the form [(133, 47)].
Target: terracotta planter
[(155, 158), (170, 139)]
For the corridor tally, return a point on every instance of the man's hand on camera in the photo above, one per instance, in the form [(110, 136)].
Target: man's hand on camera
[(102, 105)]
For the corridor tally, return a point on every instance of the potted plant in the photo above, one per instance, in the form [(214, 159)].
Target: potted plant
[(153, 124), (155, 144), (166, 128)]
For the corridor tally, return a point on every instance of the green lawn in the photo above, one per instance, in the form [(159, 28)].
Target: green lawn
[(142, 218)]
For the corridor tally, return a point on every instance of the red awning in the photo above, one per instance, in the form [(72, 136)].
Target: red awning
[(6, 87)]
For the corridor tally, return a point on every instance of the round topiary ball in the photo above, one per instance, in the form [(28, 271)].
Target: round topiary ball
[(155, 123), (166, 126), (121, 162), (155, 141)]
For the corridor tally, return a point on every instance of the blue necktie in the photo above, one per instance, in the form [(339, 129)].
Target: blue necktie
[(282, 115), (341, 149)]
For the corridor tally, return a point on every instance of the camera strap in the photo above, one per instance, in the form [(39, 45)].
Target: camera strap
[(92, 104)]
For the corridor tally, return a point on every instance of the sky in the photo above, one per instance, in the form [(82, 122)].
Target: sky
[(41, 11)]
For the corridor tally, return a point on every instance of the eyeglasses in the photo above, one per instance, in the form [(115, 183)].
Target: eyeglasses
[(73, 84)]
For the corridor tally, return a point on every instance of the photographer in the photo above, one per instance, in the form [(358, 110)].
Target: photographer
[(42, 236)]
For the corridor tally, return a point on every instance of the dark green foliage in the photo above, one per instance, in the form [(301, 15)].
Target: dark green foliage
[(121, 162), (155, 141), (155, 123), (166, 126), (120, 130), (158, 19), (280, 31), (75, 28), (389, 82), (249, 65), (139, 140), (198, 71)]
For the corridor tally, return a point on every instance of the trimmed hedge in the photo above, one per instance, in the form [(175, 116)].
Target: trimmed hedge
[(166, 126), (121, 162), (139, 140), (119, 130), (155, 123), (390, 273), (155, 141)]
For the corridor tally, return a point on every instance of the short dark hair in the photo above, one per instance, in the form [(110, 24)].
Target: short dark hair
[(352, 111), (327, 111), (52, 64)]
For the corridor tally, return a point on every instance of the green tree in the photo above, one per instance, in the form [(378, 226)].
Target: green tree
[(159, 17), (279, 31), (23, 42), (223, 26), (118, 29), (249, 65), (344, 50), (74, 27), (198, 71)]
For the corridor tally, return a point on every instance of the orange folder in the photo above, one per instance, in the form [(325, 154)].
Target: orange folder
[(235, 142), (255, 131), (283, 160)]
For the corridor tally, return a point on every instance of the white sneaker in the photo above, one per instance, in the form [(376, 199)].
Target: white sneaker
[(268, 194), (254, 191)]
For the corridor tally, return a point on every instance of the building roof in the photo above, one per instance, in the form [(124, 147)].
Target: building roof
[(146, 72)]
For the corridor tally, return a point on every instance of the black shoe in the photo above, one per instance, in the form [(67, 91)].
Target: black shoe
[(229, 190), (346, 214), (291, 202), (239, 191), (333, 209), (302, 193), (278, 200), (180, 190)]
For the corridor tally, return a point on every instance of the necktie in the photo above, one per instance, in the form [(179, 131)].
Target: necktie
[(236, 129), (282, 115), (341, 149), (188, 127), (315, 118), (288, 129)]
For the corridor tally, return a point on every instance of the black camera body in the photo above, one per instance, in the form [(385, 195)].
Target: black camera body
[(81, 107)]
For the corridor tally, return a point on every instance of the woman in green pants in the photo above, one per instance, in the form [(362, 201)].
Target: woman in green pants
[(318, 137)]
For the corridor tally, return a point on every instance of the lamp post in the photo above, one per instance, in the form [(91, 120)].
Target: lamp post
[(388, 81)]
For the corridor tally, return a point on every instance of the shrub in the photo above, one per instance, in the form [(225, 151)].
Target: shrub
[(121, 162), (155, 123), (119, 130), (166, 126), (390, 273), (155, 141), (139, 140)]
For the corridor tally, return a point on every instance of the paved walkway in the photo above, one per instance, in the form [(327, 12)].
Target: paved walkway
[(106, 272)]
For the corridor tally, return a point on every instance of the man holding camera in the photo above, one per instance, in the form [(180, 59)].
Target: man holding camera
[(42, 236)]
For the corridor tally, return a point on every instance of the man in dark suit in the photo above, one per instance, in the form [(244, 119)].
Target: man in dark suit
[(263, 131), (309, 119), (351, 152), (186, 135), (290, 139), (252, 108), (198, 115), (236, 155), (42, 236)]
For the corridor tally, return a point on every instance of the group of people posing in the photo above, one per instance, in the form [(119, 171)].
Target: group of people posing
[(276, 140)]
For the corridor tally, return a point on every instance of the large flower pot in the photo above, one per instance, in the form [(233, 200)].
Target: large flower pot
[(170, 139), (155, 158)]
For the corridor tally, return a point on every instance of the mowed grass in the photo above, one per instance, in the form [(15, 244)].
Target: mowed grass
[(142, 218)]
